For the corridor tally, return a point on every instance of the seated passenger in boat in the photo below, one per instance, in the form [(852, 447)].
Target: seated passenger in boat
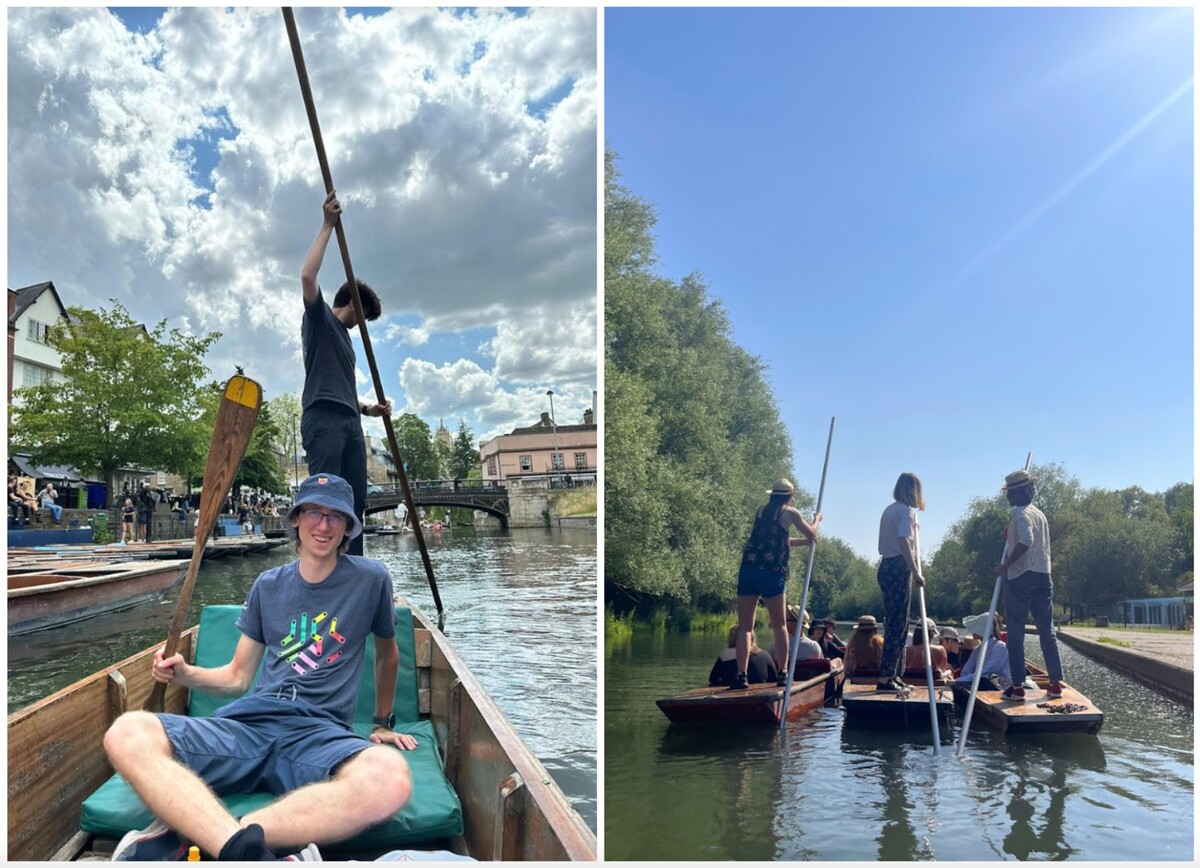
[(955, 655), (819, 633), (293, 730), (864, 651), (996, 675), (835, 642), (761, 668), (914, 654)]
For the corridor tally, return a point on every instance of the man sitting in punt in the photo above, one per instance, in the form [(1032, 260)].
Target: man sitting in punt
[(294, 729)]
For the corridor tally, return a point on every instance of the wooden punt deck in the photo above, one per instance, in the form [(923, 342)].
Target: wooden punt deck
[(865, 704), (1036, 713), (760, 704), (162, 549), (40, 600), (512, 808)]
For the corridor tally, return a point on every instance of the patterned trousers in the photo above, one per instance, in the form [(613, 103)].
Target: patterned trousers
[(893, 578)]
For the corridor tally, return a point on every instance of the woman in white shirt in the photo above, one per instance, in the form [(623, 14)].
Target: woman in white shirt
[(897, 570)]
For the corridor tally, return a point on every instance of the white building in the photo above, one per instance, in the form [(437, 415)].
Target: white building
[(32, 311)]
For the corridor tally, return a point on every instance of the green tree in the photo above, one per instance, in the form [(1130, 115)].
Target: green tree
[(286, 412), (445, 454), (465, 457), (416, 447), (129, 396), (692, 433), (260, 468)]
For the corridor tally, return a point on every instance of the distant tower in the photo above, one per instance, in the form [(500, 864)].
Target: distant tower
[(443, 436)]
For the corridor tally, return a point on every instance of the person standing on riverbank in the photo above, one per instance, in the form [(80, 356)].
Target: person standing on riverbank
[(292, 734), (330, 429), (764, 574), (897, 571), (1028, 588)]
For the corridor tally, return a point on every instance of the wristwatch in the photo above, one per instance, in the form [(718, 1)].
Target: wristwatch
[(386, 722)]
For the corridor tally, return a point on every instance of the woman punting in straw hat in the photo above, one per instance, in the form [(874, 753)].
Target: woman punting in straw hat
[(764, 573)]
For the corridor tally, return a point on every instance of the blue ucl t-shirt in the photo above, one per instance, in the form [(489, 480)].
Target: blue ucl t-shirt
[(315, 635)]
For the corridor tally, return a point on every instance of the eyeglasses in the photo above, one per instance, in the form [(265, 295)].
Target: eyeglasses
[(314, 516)]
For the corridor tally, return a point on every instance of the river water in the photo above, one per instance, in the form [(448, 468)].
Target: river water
[(520, 610), (822, 791)]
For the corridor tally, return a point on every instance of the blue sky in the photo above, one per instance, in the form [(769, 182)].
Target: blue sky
[(162, 156), (966, 233)]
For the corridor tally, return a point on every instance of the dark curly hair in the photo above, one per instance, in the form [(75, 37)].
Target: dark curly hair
[(370, 300)]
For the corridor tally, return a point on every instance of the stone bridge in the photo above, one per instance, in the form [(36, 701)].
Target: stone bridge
[(465, 493)]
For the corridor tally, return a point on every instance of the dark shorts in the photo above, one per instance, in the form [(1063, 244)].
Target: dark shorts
[(760, 583), (262, 743)]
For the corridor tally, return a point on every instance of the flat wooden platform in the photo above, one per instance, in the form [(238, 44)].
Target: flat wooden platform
[(866, 704), (1036, 713), (760, 704)]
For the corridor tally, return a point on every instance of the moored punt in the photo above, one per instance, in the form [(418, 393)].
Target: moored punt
[(866, 704), (160, 549), (759, 704), (1036, 713), (510, 807), (48, 598)]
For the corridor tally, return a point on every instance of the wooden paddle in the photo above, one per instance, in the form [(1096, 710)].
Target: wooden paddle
[(982, 649), (236, 416), (302, 73), (794, 651)]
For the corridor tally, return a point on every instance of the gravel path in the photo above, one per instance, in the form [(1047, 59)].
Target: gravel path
[(1174, 646)]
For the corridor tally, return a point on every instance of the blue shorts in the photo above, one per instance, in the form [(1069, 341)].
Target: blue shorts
[(262, 743), (754, 582)]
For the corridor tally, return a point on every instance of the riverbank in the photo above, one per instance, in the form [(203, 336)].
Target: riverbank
[(1164, 659)]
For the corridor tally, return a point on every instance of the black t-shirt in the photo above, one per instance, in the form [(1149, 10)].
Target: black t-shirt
[(328, 357), (760, 670)]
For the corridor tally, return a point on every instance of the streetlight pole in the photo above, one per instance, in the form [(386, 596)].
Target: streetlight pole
[(554, 430)]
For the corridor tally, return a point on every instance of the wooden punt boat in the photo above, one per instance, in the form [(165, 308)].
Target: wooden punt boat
[(760, 704), (1036, 713), (511, 808), (864, 703), (55, 596)]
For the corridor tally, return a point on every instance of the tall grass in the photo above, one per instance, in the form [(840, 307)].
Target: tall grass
[(575, 501)]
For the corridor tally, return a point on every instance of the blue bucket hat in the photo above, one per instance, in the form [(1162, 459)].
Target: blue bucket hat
[(332, 492)]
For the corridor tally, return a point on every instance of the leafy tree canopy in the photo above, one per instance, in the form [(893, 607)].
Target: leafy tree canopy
[(417, 448), (129, 396), (465, 455)]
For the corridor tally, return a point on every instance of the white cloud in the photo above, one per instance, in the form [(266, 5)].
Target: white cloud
[(462, 208)]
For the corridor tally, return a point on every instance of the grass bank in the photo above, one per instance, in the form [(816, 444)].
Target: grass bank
[(575, 501)]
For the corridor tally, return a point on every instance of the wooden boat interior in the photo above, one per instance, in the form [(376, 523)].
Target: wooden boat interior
[(511, 808)]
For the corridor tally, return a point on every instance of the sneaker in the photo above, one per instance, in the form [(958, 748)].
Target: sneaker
[(894, 686), (740, 683), (158, 842), (308, 854), (1054, 690), (1013, 693), (781, 681)]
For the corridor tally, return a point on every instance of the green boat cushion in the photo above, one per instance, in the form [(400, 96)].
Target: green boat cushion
[(432, 812)]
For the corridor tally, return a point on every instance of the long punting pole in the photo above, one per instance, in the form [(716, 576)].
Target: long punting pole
[(302, 73), (937, 736), (982, 649), (794, 650)]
